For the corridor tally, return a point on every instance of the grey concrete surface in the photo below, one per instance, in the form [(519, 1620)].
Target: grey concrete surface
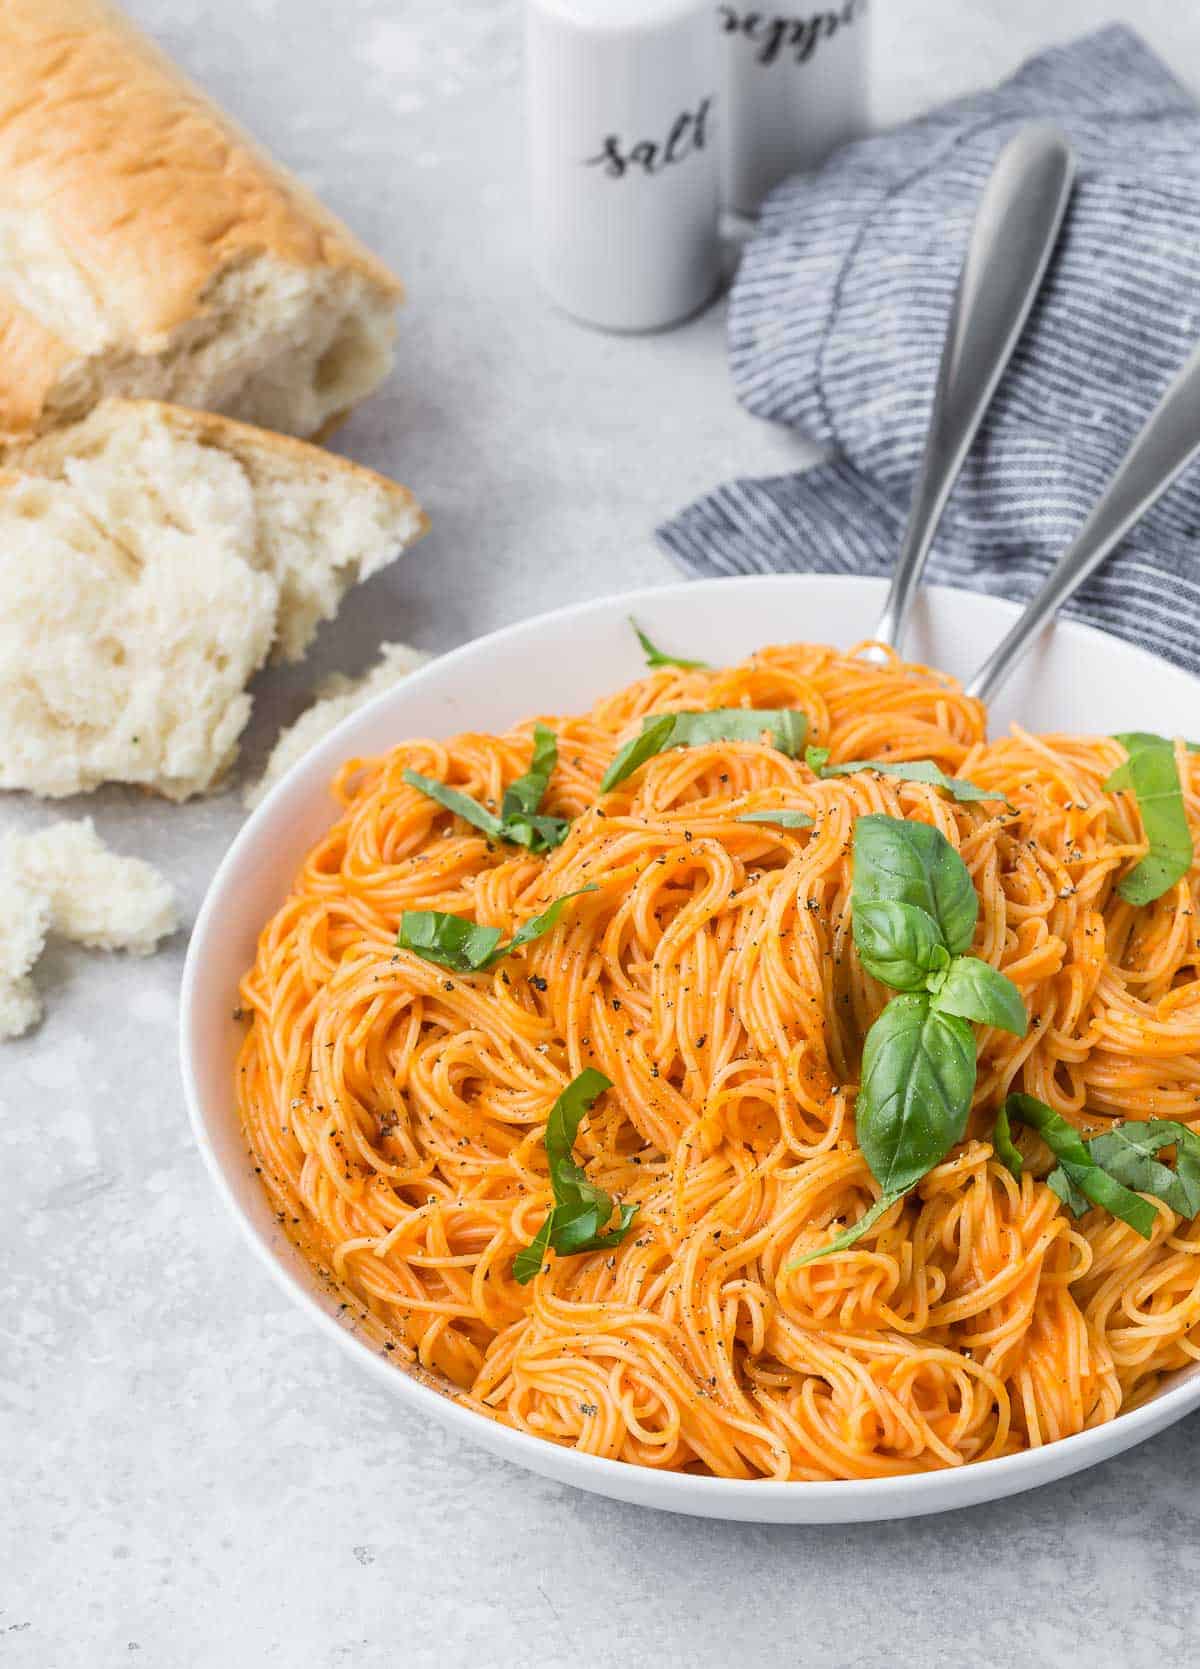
[(190, 1475)]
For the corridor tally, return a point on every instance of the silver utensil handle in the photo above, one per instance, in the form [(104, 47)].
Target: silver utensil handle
[(1162, 450), (1015, 228)]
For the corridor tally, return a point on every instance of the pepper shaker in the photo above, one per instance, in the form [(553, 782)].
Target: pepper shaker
[(623, 157), (794, 87)]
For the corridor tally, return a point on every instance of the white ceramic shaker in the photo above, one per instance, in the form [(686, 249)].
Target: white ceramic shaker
[(794, 85), (624, 161)]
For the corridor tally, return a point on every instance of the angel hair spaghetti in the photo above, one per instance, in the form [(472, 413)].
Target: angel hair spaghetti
[(666, 904)]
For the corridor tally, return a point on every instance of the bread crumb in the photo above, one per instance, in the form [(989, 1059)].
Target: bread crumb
[(335, 698), (64, 880), (24, 923)]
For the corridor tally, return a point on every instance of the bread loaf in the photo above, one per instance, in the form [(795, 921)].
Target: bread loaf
[(153, 558), (148, 247)]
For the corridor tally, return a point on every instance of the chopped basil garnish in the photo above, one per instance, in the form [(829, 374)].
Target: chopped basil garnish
[(913, 911), (1105, 1170), (581, 1209), (842, 1242), (450, 941), (785, 817), (1130, 1154), (462, 805), (1151, 774), (1003, 1145), (519, 821), (466, 947), (787, 728), (519, 808), (911, 770), (655, 735), (656, 657)]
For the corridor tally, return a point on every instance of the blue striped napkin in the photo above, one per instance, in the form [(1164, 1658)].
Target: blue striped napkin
[(836, 324)]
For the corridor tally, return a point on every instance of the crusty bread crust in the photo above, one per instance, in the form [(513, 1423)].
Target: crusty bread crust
[(31, 358), (49, 454), (147, 192)]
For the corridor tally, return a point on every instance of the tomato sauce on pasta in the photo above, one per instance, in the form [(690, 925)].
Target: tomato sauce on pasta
[(396, 1110)]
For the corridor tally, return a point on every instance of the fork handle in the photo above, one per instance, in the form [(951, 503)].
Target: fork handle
[(1016, 225), (1161, 451)]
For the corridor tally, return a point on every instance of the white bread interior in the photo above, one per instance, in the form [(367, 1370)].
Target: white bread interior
[(64, 880), (278, 346), (335, 698), (153, 558), (24, 923), (96, 897), (148, 247)]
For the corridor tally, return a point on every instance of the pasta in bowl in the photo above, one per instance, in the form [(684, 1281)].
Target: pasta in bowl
[(705, 1080)]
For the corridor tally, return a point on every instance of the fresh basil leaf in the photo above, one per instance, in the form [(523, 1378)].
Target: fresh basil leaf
[(1004, 1147), (1129, 1152), (573, 1232), (538, 833), (1058, 1133), (899, 861), (462, 805), (661, 731), (918, 1076), (1061, 1182), (1152, 775), (974, 990), (525, 794), (909, 770), (519, 821), (842, 1242), (656, 657), (580, 1208), (562, 1127), (1078, 1179), (899, 944), (655, 736), (530, 1260), (785, 817), (450, 941), (536, 926), (464, 946), (787, 727)]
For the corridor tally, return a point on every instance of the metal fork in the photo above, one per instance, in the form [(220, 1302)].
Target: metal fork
[(1160, 452), (1016, 225)]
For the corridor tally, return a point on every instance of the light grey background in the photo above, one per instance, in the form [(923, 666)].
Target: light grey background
[(191, 1477)]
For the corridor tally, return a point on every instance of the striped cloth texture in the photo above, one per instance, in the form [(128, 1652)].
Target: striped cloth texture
[(836, 322)]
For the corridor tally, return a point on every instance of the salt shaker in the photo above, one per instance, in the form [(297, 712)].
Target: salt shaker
[(794, 87), (623, 156)]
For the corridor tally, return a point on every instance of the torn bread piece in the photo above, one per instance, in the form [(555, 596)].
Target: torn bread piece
[(24, 923), (64, 880), (335, 698), (149, 247), (96, 897), (153, 558)]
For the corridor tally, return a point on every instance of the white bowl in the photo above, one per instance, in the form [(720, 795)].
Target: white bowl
[(1077, 680)]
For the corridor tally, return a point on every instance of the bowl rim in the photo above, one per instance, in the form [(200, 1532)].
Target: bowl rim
[(900, 1495)]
